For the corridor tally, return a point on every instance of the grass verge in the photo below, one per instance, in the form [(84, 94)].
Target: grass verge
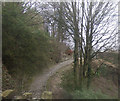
[(68, 84)]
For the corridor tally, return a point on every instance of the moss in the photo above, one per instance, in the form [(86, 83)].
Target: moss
[(46, 95), (6, 92)]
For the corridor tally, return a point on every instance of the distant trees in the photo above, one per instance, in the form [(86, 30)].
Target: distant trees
[(53, 16)]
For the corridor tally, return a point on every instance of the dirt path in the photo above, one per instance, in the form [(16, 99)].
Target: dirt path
[(55, 87), (39, 84)]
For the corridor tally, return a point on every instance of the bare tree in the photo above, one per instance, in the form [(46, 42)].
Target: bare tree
[(99, 31), (92, 27), (90, 24), (71, 16)]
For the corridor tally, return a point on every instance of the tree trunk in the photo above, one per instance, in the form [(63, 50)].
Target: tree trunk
[(81, 48), (90, 47), (76, 41), (76, 65)]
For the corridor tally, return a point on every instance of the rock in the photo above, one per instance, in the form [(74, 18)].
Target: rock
[(46, 95), (27, 95), (6, 93), (7, 81), (18, 97)]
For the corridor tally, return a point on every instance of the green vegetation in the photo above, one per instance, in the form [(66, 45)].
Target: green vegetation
[(21, 47), (104, 70), (27, 49), (66, 81), (83, 93), (89, 94)]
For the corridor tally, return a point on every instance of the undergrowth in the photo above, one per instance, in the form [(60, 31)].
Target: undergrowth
[(84, 93)]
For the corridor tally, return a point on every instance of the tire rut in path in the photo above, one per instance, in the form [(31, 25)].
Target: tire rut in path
[(39, 84)]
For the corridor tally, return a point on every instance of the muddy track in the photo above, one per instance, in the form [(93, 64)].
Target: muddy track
[(39, 83)]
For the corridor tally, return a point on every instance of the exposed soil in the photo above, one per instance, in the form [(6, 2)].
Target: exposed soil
[(107, 87), (54, 84), (108, 84), (100, 61)]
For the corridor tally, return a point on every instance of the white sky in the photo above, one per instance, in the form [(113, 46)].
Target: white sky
[(66, 0), (114, 1), (115, 20)]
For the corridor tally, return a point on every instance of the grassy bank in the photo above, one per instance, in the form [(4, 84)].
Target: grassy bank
[(101, 88)]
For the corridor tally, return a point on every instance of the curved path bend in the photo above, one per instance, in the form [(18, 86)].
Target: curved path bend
[(39, 83)]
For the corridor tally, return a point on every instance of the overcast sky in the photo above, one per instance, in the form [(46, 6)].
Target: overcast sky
[(115, 17)]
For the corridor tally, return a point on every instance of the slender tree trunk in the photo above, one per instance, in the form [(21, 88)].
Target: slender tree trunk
[(53, 28), (84, 66), (76, 65), (76, 41), (90, 47), (81, 48), (89, 74)]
